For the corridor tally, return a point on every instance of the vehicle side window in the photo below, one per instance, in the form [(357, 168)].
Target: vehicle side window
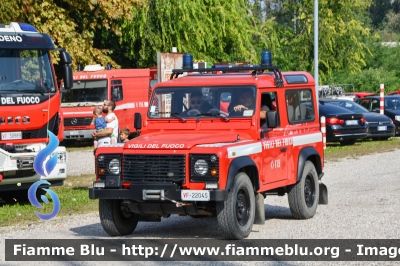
[(300, 106), (365, 104), (268, 103), (116, 90)]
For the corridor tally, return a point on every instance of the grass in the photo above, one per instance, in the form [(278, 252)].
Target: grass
[(334, 151), (74, 195), (74, 199)]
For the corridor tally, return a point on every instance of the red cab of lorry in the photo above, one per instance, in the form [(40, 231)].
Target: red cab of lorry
[(128, 88)]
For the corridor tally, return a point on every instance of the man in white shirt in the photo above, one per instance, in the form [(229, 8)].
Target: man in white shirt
[(112, 127)]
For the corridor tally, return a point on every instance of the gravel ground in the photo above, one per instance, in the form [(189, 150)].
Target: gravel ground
[(80, 162), (364, 203)]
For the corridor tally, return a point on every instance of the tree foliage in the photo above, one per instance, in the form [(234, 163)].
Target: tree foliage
[(72, 24)]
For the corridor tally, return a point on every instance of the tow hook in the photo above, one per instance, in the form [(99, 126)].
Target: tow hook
[(178, 204)]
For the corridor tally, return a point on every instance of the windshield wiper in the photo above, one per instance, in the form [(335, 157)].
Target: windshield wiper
[(176, 115)]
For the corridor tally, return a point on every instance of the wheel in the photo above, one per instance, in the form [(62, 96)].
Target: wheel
[(116, 221), (236, 215), (304, 195), (348, 142)]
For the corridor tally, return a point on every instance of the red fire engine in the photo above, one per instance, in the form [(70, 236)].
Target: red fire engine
[(29, 107), (129, 88), (199, 160)]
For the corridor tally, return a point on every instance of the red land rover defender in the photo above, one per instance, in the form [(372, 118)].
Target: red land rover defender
[(206, 162)]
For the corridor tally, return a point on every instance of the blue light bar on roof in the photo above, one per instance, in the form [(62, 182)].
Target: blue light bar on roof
[(27, 27)]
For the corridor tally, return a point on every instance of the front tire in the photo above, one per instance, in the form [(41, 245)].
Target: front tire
[(116, 221), (304, 196), (236, 215)]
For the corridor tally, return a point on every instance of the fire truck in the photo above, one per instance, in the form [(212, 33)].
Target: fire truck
[(204, 161), (128, 88), (29, 107)]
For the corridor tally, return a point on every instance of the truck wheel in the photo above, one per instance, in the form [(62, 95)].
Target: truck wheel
[(115, 221), (236, 215), (304, 196)]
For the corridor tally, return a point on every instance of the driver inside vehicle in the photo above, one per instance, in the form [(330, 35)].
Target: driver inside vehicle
[(197, 105)]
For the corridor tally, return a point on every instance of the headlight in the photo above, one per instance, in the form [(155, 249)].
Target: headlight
[(201, 167), (397, 117), (114, 166)]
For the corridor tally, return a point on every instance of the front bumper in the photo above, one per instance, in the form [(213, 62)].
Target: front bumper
[(17, 168), (78, 134), (373, 131), (135, 193)]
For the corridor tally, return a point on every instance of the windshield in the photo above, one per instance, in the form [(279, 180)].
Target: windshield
[(392, 103), (352, 106), (25, 71), (88, 92), (202, 102)]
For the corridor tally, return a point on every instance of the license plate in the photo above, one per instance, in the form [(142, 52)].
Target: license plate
[(382, 128), (11, 135), (351, 122), (195, 195), (73, 133)]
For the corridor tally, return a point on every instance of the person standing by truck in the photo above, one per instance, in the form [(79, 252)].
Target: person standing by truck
[(100, 123), (112, 127)]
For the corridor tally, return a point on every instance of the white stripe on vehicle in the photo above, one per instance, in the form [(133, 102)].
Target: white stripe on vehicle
[(307, 139), (77, 113), (247, 149)]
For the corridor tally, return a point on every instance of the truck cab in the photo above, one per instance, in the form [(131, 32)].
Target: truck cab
[(128, 88), (29, 107), (202, 158)]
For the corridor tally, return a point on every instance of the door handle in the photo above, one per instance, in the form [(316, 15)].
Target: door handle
[(283, 149)]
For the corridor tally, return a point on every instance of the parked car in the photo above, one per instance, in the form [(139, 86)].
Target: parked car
[(391, 107), (379, 126), (343, 125)]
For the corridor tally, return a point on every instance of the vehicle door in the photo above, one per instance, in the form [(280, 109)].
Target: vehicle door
[(274, 147)]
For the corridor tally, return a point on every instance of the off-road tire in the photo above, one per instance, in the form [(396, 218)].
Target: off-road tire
[(115, 221), (304, 195), (236, 215)]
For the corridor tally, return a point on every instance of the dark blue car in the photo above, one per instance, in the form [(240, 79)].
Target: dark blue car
[(391, 107), (379, 126), (343, 125)]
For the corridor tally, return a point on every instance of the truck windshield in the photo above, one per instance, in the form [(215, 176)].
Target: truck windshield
[(88, 92), (25, 71), (196, 102)]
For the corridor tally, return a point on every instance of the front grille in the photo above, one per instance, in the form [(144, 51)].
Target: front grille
[(41, 132), (154, 168), (81, 121)]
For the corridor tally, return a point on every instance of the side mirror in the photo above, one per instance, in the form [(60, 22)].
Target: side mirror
[(137, 122), (376, 110), (65, 58), (272, 119), (68, 81)]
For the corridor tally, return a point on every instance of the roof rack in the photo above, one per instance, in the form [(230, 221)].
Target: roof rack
[(256, 69)]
